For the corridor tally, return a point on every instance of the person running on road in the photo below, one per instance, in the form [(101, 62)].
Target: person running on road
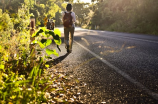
[(69, 19)]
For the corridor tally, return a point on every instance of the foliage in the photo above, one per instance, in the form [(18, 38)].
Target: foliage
[(47, 8), (81, 10), (5, 21), (11, 5), (43, 43), (13, 41), (57, 18), (39, 9), (24, 80), (21, 20), (126, 16), (24, 77)]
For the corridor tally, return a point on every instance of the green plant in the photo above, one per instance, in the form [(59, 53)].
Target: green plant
[(15, 88), (46, 41), (23, 78), (22, 81)]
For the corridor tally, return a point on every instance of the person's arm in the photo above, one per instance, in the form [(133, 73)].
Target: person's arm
[(63, 16), (73, 17)]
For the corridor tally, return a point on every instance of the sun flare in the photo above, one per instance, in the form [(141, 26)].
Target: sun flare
[(86, 1)]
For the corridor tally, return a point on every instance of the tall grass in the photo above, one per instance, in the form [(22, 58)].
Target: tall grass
[(24, 80)]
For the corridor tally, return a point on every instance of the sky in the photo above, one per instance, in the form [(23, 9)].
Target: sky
[(89, 1)]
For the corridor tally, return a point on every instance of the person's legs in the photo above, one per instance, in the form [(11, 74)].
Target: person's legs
[(66, 36), (71, 38)]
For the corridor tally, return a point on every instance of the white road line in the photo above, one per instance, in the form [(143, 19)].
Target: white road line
[(125, 75)]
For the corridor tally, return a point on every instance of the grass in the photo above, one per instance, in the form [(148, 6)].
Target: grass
[(27, 78)]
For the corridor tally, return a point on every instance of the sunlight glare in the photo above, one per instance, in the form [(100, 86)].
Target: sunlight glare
[(86, 1)]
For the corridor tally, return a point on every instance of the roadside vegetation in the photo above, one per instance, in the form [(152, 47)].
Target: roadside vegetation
[(133, 16), (28, 78), (25, 76)]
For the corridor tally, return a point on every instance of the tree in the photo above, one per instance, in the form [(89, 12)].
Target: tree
[(81, 10), (126, 15)]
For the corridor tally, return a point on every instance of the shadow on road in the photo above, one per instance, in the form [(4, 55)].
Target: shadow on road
[(57, 60)]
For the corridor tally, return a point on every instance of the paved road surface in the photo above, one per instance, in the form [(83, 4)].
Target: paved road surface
[(118, 68)]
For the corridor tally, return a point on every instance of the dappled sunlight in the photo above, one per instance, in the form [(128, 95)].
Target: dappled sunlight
[(114, 50), (85, 40), (108, 52), (108, 47), (99, 46), (130, 47)]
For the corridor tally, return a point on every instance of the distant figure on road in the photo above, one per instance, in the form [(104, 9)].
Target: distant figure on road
[(52, 24), (48, 25), (69, 19)]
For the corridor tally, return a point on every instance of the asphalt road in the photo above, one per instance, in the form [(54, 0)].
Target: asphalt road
[(117, 68)]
